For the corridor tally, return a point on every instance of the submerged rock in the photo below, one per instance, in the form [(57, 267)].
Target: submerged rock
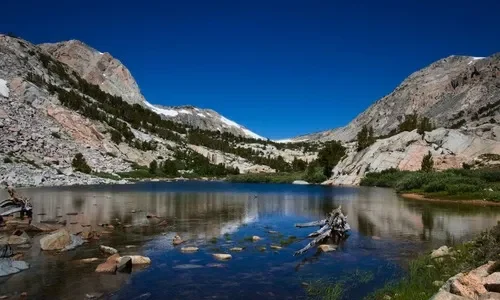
[(57, 240), (276, 247), (177, 240), (108, 250), (88, 260), (327, 248), (9, 266), (236, 249), (189, 249), (256, 238), (222, 256), (187, 266)]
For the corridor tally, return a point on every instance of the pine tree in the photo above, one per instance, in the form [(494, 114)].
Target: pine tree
[(153, 167), (80, 164), (427, 163)]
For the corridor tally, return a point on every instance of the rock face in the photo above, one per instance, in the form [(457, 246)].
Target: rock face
[(449, 90), (450, 148), (98, 68)]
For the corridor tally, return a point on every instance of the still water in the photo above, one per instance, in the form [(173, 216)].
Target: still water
[(386, 231)]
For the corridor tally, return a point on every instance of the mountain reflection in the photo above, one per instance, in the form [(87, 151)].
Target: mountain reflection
[(207, 212)]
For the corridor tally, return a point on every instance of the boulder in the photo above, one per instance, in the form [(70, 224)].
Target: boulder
[(256, 238), (57, 240), (18, 237), (177, 240), (108, 250), (458, 288), (6, 251), (473, 283), (327, 248), (189, 249), (136, 259), (76, 241), (124, 265), (222, 256), (109, 266), (440, 252), (483, 270), (9, 266)]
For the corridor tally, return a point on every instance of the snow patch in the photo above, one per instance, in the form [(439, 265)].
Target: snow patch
[(246, 131), (474, 59), (201, 115), (290, 141), (4, 90), (183, 111), (161, 111)]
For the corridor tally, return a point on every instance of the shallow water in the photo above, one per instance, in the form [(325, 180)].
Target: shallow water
[(387, 231)]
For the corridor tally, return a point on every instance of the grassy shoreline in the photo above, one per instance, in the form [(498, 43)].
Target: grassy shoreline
[(459, 185), (425, 273)]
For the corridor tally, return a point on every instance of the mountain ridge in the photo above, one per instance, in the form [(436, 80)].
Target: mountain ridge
[(441, 84)]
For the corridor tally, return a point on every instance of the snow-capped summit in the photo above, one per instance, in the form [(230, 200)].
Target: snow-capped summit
[(206, 119)]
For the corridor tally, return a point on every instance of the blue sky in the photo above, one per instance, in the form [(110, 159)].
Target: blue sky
[(281, 68)]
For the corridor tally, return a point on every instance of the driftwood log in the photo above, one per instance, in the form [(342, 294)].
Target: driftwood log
[(335, 226)]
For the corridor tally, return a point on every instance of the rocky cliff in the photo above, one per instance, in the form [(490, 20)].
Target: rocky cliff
[(98, 68), (454, 91), (450, 148), (54, 104)]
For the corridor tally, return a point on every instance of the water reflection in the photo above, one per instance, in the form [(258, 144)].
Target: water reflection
[(221, 208), (199, 211)]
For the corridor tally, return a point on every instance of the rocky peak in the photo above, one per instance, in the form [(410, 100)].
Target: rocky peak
[(206, 119), (451, 90), (97, 68)]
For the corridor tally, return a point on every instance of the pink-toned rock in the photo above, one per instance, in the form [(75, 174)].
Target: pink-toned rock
[(110, 265), (458, 288), (482, 271), (473, 282)]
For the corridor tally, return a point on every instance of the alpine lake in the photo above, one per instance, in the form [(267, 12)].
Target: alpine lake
[(387, 231)]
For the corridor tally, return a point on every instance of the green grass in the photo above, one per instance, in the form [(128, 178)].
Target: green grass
[(326, 291), (423, 271), (454, 184), (106, 175), (266, 177)]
